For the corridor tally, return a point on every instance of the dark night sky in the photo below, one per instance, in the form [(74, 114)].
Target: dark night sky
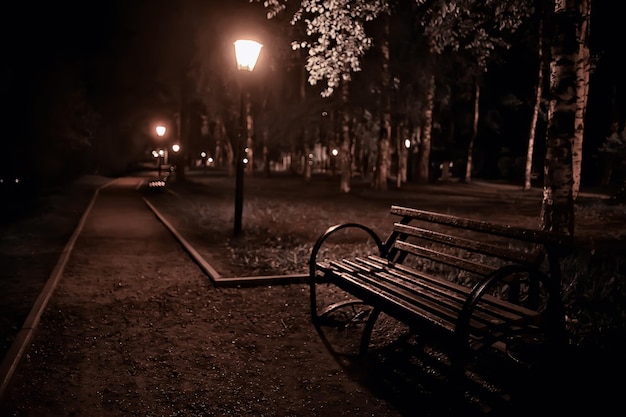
[(112, 35)]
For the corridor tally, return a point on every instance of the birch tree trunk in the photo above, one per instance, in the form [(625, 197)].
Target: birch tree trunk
[(583, 68), (557, 208)]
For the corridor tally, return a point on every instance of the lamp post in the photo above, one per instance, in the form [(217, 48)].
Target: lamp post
[(246, 53), (160, 131), (176, 148)]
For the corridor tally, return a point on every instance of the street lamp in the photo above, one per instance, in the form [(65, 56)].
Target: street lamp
[(160, 131), (161, 154), (176, 148), (246, 52)]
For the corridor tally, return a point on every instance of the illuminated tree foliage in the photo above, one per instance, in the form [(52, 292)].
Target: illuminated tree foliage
[(336, 36)]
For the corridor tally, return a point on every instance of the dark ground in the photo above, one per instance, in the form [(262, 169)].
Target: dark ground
[(136, 329)]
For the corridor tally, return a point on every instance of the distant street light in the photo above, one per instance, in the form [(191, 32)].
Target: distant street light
[(174, 159), (160, 131), (246, 52)]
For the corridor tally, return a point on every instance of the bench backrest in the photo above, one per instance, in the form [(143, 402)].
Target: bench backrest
[(470, 247)]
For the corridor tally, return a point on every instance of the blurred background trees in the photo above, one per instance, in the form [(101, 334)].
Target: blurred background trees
[(420, 91)]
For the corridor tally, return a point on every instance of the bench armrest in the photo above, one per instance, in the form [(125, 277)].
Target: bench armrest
[(318, 245), (331, 231), (554, 322)]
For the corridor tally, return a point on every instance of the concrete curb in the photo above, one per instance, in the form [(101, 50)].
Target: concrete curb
[(215, 277)]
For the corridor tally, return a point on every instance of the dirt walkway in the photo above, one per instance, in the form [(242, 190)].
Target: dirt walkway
[(135, 328)]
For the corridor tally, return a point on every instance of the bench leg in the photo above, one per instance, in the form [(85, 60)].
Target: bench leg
[(367, 331)]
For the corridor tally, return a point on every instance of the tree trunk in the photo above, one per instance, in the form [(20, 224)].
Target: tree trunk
[(308, 166), (403, 155), (230, 157), (265, 135), (557, 209), (224, 148), (424, 147), (470, 146), (344, 150), (383, 160), (266, 159), (583, 67), (535, 116)]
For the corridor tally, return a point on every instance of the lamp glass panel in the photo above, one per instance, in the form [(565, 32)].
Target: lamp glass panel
[(247, 52)]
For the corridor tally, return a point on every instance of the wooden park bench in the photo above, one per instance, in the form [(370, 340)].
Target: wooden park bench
[(475, 286)]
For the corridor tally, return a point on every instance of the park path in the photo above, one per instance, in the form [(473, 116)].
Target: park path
[(134, 327)]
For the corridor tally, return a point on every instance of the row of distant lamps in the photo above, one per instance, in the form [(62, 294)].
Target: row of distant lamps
[(335, 151)]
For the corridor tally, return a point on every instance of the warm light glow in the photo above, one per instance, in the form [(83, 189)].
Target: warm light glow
[(202, 154), (176, 147), (335, 152), (160, 131), (407, 143), (161, 152), (247, 52)]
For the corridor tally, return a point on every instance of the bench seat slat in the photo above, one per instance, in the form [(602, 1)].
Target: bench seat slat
[(356, 287), (442, 287), (517, 309), (441, 307), (435, 289), (426, 287), (431, 294), (448, 284), (489, 302)]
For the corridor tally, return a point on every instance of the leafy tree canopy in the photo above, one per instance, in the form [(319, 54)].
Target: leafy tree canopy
[(337, 39)]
